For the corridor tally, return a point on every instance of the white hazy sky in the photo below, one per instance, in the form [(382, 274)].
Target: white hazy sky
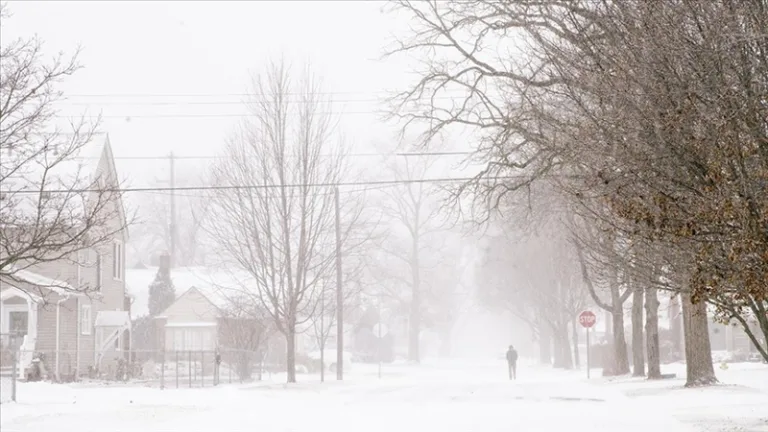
[(170, 76)]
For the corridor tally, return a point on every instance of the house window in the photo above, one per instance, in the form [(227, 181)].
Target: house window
[(190, 338), (85, 320), (117, 260)]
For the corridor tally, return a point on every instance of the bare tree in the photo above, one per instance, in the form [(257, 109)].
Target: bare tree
[(245, 332), (323, 323), (53, 204), (412, 209), (444, 290), (631, 101), (533, 274), (272, 213)]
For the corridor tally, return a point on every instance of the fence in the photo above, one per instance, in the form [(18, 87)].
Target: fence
[(164, 369), (178, 369)]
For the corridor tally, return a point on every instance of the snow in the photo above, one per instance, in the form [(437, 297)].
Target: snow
[(215, 285), (113, 319), (444, 396), (738, 404), (54, 285), (191, 324)]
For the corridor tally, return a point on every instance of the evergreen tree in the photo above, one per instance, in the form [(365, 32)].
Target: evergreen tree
[(161, 291)]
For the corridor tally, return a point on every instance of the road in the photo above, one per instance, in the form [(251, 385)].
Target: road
[(447, 397)]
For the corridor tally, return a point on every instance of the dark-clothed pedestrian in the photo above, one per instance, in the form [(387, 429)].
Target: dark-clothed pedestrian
[(512, 362)]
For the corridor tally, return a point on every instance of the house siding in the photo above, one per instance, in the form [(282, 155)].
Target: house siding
[(110, 297), (192, 306), (46, 335)]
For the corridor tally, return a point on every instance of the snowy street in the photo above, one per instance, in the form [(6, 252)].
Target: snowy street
[(446, 397)]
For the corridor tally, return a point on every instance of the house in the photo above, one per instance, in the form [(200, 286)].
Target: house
[(201, 318), (73, 311)]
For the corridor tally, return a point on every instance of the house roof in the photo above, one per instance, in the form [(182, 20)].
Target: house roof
[(42, 282), (216, 285), (70, 168)]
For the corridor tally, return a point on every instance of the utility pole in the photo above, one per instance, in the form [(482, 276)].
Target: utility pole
[(323, 334), (339, 294), (172, 160)]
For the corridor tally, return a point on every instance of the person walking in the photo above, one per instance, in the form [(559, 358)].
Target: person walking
[(512, 362)]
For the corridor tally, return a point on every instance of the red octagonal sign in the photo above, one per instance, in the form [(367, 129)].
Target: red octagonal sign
[(587, 319)]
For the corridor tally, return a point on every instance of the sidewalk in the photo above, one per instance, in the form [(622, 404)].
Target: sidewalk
[(738, 404)]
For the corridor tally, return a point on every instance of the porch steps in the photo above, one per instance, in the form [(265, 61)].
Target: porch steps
[(6, 371)]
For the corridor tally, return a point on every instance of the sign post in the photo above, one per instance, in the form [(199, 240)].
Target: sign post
[(380, 330), (587, 319)]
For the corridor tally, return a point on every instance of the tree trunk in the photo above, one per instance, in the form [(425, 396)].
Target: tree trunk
[(290, 353), (414, 323), (698, 351), (562, 347), (414, 328), (575, 334), (445, 343), (638, 353), (676, 324), (322, 352), (652, 333), (619, 358), (545, 344)]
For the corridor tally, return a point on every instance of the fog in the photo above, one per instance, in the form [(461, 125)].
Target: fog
[(473, 205)]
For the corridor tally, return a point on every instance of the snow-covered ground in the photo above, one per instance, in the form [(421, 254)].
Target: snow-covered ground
[(738, 404), (444, 396)]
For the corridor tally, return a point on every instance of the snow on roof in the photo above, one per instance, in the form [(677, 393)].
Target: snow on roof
[(112, 319), (54, 285), (216, 285)]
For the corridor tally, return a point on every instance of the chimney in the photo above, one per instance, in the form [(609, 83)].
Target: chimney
[(165, 263)]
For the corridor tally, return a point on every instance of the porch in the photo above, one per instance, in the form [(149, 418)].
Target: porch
[(18, 325), (113, 333)]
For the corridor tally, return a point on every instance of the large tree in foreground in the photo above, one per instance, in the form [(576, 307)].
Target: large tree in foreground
[(644, 105), (272, 214), (52, 204)]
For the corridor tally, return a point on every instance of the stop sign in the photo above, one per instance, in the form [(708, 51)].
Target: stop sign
[(587, 319)]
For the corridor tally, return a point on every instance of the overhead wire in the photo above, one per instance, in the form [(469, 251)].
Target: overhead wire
[(253, 96), (349, 191), (188, 115), (231, 102), (278, 186), (208, 157), (244, 94)]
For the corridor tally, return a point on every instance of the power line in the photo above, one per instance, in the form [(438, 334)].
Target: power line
[(273, 186), (224, 115), (246, 94), (232, 102), (349, 191), (209, 157)]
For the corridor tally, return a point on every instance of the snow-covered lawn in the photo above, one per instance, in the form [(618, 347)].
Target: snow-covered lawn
[(738, 404), (444, 396)]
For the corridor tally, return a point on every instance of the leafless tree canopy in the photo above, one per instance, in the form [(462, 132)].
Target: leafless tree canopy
[(650, 115), (273, 215), (53, 203)]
